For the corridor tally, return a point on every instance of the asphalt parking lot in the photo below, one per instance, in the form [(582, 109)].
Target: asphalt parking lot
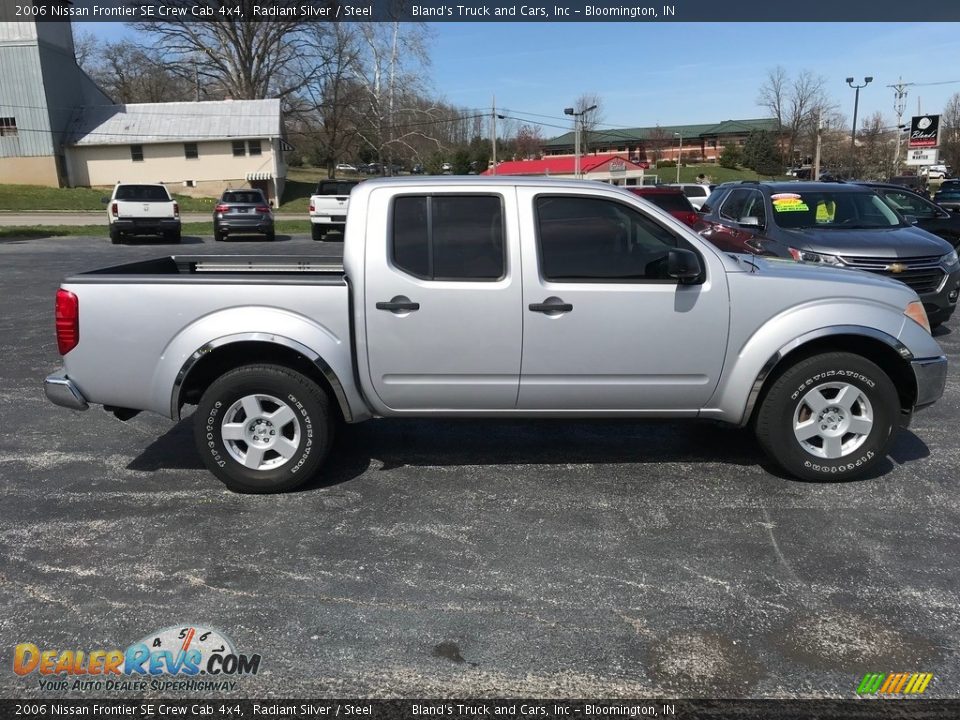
[(474, 558)]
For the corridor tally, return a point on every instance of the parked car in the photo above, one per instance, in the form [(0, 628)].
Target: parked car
[(949, 198), (446, 167), (139, 209), (913, 182), (921, 211), (838, 224), (695, 192), (346, 167), (242, 212), (616, 310), (328, 207), (671, 199), (935, 172)]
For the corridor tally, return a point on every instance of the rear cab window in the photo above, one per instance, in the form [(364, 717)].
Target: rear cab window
[(335, 187), (144, 193)]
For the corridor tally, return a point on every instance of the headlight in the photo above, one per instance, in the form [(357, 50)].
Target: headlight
[(813, 257), (918, 314), (949, 261)]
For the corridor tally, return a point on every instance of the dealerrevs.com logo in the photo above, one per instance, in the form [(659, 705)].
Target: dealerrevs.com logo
[(187, 657)]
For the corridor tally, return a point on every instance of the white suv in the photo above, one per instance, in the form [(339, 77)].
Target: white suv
[(935, 172), (696, 193)]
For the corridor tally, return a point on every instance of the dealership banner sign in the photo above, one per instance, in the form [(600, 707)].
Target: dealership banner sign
[(924, 131)]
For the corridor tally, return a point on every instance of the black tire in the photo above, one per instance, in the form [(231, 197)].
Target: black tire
[(874, 408), (116, 237), (172, 237), (308, 433), (217, 236), (271, 236), (317, 232)]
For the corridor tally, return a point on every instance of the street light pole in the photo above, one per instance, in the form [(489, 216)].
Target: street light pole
[(679, 155), (856, 104), (577, 127)]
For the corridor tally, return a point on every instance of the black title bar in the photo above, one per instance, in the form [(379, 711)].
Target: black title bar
[(644, 11)]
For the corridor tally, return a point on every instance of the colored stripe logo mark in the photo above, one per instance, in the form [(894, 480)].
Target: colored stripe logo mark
[(894, 683)]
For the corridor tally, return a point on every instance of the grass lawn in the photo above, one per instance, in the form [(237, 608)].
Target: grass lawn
[(296, 196), (282, 227)]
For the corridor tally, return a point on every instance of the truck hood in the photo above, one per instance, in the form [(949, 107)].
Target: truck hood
[(893, 243), (788, 270)]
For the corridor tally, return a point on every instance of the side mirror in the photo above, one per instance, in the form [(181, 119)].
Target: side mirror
[(911, 219), (104, 199), (750, 222), (683, 265)]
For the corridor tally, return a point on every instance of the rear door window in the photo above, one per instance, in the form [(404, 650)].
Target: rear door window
[(449, 237)]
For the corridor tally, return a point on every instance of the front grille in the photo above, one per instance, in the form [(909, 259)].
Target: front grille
[(922, 274)]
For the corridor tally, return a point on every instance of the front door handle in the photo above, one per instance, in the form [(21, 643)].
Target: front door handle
[(399, 304), (551, 306)]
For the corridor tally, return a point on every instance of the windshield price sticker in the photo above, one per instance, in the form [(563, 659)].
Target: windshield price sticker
[(788, 202)]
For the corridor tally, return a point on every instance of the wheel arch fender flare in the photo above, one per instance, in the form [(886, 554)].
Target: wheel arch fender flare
[(776, 360)]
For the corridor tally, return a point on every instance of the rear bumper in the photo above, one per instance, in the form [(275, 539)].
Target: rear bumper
[(61, 391), (146, 226), (329, 219), (250, 225), (931, 376)]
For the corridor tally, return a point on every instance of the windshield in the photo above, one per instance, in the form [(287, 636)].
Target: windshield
[(828, 209)]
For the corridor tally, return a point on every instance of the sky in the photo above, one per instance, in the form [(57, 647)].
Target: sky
[(677, 73)]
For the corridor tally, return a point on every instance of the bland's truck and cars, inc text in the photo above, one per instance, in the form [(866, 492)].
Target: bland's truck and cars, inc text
[(477, 297)]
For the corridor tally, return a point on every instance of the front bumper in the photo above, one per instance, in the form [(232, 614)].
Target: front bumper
[(61, 391), (931, 376)]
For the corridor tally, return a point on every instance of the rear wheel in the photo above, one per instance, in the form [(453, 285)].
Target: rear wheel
[(263, 428), (271, 236), (829, 417), (172, 236), (116, 237), (317, 232), (218, 236)]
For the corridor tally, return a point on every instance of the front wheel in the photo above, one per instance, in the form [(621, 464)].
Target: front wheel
[(829, 417), (263, 428)]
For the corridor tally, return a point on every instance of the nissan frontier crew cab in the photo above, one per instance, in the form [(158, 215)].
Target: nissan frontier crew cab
[(498, 297)]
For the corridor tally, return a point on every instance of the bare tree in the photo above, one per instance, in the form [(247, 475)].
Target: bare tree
[(950, 132), (85, 47), (874, 157), (793, 103), (129, 73), (528, 141), (234, 58)]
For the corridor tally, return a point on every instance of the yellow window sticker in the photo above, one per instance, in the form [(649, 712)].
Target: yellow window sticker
[(788, 202)]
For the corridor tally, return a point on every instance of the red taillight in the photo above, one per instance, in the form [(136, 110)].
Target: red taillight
[(221, 208), (263, 209), (113, 210), (68, 321), (312, 208), (176, 210)]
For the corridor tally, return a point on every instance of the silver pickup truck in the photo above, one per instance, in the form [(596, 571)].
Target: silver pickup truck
[(498, 297)]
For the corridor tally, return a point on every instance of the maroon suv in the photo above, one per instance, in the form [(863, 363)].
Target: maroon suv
[(670, 199)]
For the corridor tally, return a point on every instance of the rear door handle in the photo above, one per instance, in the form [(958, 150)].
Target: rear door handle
[(400, 303), (551, 306)]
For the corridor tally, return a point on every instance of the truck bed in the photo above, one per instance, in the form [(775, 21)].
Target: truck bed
[(315, 269)]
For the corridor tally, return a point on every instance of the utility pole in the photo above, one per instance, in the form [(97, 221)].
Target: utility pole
[(816, 155), (493, 137), (899, 105)]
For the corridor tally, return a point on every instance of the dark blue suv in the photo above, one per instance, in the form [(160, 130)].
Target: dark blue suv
[(837, 224)]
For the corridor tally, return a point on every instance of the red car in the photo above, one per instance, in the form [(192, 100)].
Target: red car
[(670, 199)]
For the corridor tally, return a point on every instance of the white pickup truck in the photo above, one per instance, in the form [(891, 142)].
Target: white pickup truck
[(498, 297), (142, 210), (328, 207)]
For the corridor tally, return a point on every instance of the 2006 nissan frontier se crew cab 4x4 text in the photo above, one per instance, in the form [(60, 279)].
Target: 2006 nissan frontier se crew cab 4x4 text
[(497, 297)]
